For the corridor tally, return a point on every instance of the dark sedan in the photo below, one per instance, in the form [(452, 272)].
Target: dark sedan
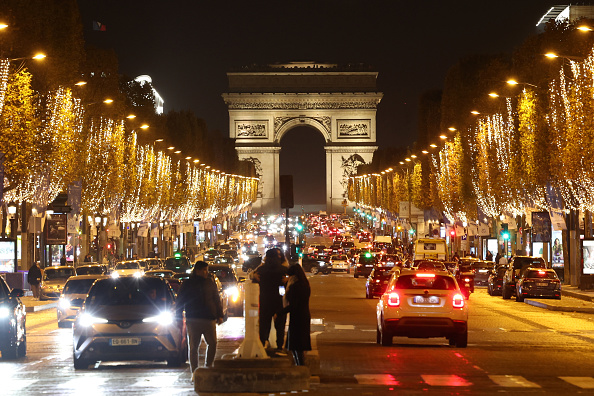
[(481, 269), (538, 282), (495, 280), (13, 334), (233, 286), (316, 264), (377, 281), (365, 264)]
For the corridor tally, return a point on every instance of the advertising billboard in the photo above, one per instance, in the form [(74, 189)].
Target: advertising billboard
[(588, 256), (56, 228), (8, 255)]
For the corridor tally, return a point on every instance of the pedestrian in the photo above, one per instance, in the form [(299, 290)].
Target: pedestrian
[(502, 260), (88, 258), (271, 275), (34, 279), (489, 256), (296, 303), (199, 297), (497, 257), (63, 260)]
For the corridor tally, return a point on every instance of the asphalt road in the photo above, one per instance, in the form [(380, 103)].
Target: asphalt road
[(513, 348)]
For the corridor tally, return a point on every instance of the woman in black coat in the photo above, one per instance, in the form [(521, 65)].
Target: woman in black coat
[(296, 302)]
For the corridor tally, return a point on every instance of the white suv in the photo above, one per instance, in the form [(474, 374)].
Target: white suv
[(422, 304)]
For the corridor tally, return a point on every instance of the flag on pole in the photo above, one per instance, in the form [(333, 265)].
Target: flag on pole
[(99, 26)]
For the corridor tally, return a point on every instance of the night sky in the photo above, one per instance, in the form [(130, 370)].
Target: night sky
[(188, 46)]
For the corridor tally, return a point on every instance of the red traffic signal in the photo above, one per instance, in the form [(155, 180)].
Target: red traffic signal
[(452, 233)]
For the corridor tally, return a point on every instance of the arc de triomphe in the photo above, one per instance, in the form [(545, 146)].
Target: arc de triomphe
[(266, 102)]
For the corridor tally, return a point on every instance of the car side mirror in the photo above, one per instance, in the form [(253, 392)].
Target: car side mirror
[(17, 293)]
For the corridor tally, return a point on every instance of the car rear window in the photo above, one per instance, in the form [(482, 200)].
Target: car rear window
[(127, 265), (89, 271), (540, 274), (78, 286), (537, 262), (381, 272), (177, 264), (58, 273), (128, 291), (438, 282)]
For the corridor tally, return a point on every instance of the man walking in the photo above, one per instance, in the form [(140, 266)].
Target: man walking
[(199, 297), (34, 279)]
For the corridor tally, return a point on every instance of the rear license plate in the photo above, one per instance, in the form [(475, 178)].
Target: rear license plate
[(426, 300), (124, 341), (369, 265), (542, 284)]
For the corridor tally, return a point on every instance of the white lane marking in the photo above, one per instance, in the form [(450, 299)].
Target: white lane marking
[(445, 380), (344, 327), (513, 381), (17, 384), (580, 382), (375, 379)]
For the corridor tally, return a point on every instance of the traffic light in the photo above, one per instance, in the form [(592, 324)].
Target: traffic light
[(452, 233), (299, 227), (504, 231)]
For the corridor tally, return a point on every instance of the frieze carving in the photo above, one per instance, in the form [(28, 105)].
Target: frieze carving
[(354, 128), (313, 105), (251, 129)]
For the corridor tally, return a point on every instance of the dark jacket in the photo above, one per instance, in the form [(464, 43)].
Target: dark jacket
[(271, 276), (34, 275), (297, 301), (200, 298)]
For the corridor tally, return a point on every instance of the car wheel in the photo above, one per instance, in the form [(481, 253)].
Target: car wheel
[(314, 269), (452, 341), (519, 296), (462, 340), (505, 292), (176, 361), (386, 336), (557, 297), (489, 290), (10, 352), (81, 364), (356, 275)]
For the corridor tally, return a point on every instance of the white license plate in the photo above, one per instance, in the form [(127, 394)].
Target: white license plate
[(426, 300), (124, 341), (542, 284)]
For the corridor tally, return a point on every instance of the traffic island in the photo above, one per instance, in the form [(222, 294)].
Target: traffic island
[(230, 374)]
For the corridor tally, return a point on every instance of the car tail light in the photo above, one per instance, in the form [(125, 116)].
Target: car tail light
[(466, 279), (458, 300), (393, 299), (422, 275)]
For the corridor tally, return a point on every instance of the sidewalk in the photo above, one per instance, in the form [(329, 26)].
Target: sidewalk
[(33, 305), (572, 300)]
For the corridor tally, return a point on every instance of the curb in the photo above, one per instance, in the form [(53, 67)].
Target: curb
[(550, 307), (577, 295), (42, 307)]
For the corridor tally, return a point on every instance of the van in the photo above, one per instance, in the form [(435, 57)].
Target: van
[(430, 248)]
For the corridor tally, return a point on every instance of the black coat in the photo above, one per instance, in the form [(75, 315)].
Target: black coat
[(297, 298), (200, 298), (34, 275)]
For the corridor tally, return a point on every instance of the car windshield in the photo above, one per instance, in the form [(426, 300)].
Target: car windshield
[(222, 259), (425, 281), (224, 275), (3, 289), (128, 291), (78, 286), (89, 270), (127, 265), (341, 257), (57, 273), (541, 274), (177, 264)]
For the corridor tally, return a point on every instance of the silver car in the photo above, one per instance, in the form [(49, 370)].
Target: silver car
[(53, 280), (72, 297), (129, 318)]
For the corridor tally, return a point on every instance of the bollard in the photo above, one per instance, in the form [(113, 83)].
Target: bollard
[(251, 347)]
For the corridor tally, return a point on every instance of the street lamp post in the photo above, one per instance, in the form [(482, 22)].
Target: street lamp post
[(98, 225)]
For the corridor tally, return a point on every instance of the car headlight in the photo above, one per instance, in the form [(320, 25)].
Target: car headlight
[(138, 274), (232, 292), (164, 319), (4, 312), (115, 274), (87, 320), (189, 271), (64, 303)]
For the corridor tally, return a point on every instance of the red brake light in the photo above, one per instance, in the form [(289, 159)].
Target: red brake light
[(541, 272), (458, 301), (422, 275), (466, 279), (393, 299)]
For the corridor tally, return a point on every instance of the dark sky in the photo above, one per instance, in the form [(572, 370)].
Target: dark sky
[(188, 46)]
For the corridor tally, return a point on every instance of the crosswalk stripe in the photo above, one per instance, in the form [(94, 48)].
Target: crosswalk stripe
[(580, 382), (375, 379), (513, 381), (445, 380)]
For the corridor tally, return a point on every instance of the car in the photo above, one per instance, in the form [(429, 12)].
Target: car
[(178, 264), (72, 297), (515, 269), (223, 246), (340, 262), (422, 304), (233, 286), (127, 268), (316, 249), (429, 265), (316, 264), (224, 259), (389, 260), (481, 269), (152, 263), (161, 273), (92, 269), (464, 275), (377, 281), (347, 245), (53, 280), (538, 282), (13, 322), (364, 237), (365, 264), (495, 280), (233, 254), (211, 254), (129, 318)]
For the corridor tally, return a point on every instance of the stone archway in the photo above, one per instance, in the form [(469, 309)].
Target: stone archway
[(340, 103)]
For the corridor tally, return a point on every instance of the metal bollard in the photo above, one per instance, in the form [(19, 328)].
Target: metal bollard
[(251, 347)]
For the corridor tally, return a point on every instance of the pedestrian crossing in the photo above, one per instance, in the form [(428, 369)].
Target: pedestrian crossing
[(460, 381)]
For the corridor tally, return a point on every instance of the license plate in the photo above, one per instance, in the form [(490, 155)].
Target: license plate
[(369, 265), (426, 300), (124, 341), (542, 284)]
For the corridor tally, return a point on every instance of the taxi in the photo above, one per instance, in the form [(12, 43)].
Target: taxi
[(422, 304)]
